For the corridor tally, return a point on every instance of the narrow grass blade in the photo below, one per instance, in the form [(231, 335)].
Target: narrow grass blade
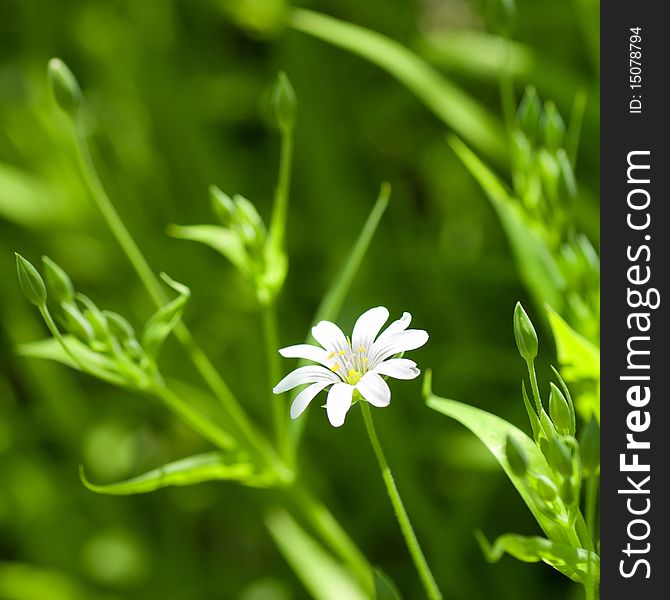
[(323, 577), (334, 297), (452, 105)]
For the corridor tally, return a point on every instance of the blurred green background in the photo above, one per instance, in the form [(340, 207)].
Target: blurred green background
[(177, 99)]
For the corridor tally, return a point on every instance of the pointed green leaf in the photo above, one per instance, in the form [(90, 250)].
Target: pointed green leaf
[(323, 577), (222, 240), (453, 106), (570, 561), (493, 432), (195, 469), (95, 364), (163, 321)]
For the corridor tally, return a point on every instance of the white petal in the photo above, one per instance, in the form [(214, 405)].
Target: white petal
[(338, 403), (306, 351), (396, 327), (374, 389), (308, 374), (367, 327), (303, 399), (400, 342), (398, 368), (330, 336)]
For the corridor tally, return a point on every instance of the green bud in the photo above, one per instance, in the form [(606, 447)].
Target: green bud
[(119, 326), (31, 281), (553, 127), (559, 410), (249, 222), (76, 323), (547, 426), (95, 317), (64, 86), (546, 488), (58, 283), (589, 446), (284, 104), (560, 457), (568, 492), (524, 333), (223, 207), (529, 113), (550, 172), (516, 457)]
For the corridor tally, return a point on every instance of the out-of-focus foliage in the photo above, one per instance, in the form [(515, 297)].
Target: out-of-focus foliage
[(178, 98)]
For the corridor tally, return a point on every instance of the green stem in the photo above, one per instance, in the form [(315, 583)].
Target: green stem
[(199, 422), (53, 328), (153, 287), (280, 205), (279, 414), (418, 557), (325, 524), (534, 386), (591, 490)]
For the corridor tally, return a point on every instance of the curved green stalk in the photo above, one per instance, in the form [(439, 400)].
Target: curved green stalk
[(449, 103), (279, 411), (411, 540), (153, 287)]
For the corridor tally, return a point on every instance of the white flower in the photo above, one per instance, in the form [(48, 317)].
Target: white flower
[(352, 365)]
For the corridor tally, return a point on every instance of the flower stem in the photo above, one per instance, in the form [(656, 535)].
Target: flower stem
[(280, 206), (53, 329), (432, 591), (153, 287), (591, 491), (534, 386), (194, 418)]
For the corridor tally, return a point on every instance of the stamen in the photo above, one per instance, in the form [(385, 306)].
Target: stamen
[(335, 367), (341, 352), (361, 349), (330, 355)]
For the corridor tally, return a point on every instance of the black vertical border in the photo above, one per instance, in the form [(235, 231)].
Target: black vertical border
[(621, 133)]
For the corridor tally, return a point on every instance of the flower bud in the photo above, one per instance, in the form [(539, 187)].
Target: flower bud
[(553, 127), (31, 281), (76, 323), (516, 457), (284, 104), (249, 222), (529, 113), (546, 488), (560, 457), (64, 86), (589, 446), (119, 326), (95, 317), (524, 333), (559, 411), (58, 283), (223, 207)]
